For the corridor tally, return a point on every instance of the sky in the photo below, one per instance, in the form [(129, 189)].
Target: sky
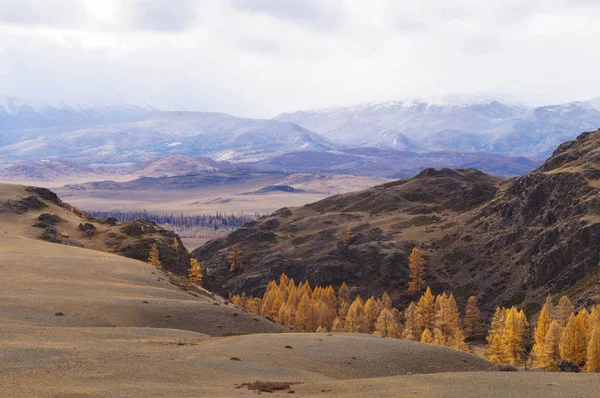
[(258, 58)]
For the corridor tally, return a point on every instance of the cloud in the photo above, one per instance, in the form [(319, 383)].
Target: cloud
[(311, 12), (262, 57), (162, 15)]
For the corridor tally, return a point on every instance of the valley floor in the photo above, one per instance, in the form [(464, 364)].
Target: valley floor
[(81, 323)]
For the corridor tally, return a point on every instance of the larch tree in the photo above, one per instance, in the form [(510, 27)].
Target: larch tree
[(592, 363), (438, 337), (234, 258), (416, 265), (411, 326), (540, 357), (573, 342), (347, 236), (386, 324), (514, 336), (472, 317), (551, 353), (426, 337), (303, 315), (386, 301), (355, 320), (195, 272), (371, 314), (563, 311), (425, 311), (495, 350), (338, 325), (153, 257)]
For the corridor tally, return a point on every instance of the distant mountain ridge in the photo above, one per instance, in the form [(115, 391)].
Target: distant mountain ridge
[(478, 123)]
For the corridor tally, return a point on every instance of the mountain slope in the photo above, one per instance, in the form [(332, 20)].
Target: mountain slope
[(488, 124), (506, 241), (110, 137)]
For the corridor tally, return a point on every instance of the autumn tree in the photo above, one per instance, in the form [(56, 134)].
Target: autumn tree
[(540, 357), (195, 272), (347, 236), (495, 351), (153, 257), (371, 313), (563, 311), (355, 320), (592, 363), (573, 342), (386, 301), (386, 325), (411, 325), (551, 342), (234, 258), (472, 317), (303, 315), (425, 311), (514, 336), (426, 337), (417, 270)]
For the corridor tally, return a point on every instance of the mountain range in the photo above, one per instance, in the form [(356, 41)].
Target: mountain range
[(385, 139)]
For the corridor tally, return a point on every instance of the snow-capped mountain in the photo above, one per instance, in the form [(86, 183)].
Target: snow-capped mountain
[(453, 123), (132, 134)]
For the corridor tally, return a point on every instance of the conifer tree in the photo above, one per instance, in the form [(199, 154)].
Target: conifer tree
[(425, 311), (195, 272), (153, 257), (514, 336), (426, 337), (551, 342), (592, 363), (347, 236), (303, 315), (386, 324), (495, 350), (573, 342), (438, 337), (338, 325), (355, 320), (472, 317), (563, 311), (344, 294), (411, 325), (539, 352), (386, 301), (234, 258), (417, 270), (371, 314), (321, 329)]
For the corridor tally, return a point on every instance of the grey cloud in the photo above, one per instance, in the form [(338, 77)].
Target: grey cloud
[(307, 11), (162, 15), (42, 12)]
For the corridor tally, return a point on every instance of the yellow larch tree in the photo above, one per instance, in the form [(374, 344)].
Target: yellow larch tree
[(540, 357), (592, 363), (234, 258), (426, 337), (425, 311), (563, 311), (416, 265), (573, 342), (472, 317), (551, 353), (438, 337), (386, 301), (303, 319), (355, 320), (495, 350), (338, 325), (153, 256), (195, 272), (514, 336), (386, 325), (411, 325), (371, 313)]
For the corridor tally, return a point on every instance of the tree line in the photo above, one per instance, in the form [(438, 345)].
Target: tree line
[(206, 226)]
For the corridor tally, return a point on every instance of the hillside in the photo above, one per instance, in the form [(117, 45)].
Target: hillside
[(506, 241), (37, 213)]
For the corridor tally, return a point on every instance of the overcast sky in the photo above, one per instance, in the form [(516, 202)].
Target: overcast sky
[(261, 57)]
